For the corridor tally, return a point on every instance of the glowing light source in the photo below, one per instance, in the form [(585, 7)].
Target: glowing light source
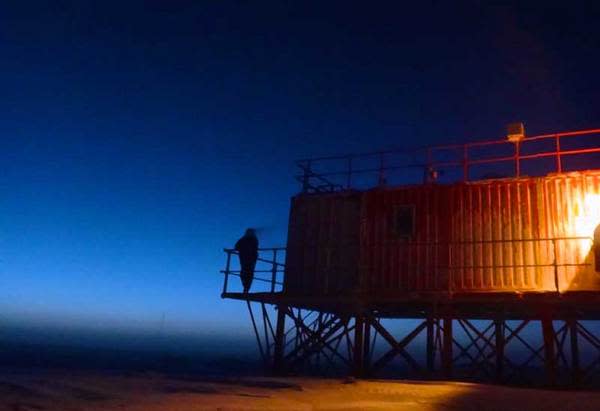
[(515, 132), (587, 218)]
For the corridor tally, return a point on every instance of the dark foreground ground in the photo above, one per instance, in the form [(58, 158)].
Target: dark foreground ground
[(35, 389)]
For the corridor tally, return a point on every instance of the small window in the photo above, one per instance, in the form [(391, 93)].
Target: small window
[(404, 221)]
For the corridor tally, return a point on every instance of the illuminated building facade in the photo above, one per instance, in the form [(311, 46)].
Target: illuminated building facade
[(488, 247)]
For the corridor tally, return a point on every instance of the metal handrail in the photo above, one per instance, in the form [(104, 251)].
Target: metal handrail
[(234, 251), (450, 267), (465, 159), (238, 272), (276, 267), (553, 264), (499, 241)]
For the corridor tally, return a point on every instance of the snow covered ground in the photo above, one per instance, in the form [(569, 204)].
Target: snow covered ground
[(22, 390)]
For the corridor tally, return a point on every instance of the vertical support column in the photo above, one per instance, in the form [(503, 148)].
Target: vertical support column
[(274, 271), (465, 162), (447, 347), (367, 347), (549, 348), (430, 345), (306, 176), (278, 366), (349, 174), (358, 346), (575, 364), (381, 174), (499, 334), (428, 174), (227, 269)]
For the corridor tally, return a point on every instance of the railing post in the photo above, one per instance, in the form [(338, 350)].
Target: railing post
[(558, 159), (427, 175), (518, 158), (349, 176), (465, 162), (274, 271), (227, 266), (306, 176), (555, 264), (381, 178), (429, 158)]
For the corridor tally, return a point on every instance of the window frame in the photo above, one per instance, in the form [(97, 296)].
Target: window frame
[(395, 214)]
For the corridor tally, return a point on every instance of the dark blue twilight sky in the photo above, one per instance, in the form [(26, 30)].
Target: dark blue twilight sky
[(139, 138)]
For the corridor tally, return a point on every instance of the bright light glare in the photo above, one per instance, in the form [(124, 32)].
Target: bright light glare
[(587, 218)]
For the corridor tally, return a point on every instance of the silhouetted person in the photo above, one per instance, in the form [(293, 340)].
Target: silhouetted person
[(247, 247)]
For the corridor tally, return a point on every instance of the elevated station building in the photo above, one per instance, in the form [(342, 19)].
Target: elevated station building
[(479, 259)]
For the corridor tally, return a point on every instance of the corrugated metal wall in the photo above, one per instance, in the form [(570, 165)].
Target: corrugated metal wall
[(470, 237), (392, 263), (492, 226), (323, 243), (572, 209)]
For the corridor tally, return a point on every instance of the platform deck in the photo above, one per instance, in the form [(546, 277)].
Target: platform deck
[(579, 304)]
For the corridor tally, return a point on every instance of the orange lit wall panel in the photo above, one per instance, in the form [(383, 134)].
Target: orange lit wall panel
[(504, 235)]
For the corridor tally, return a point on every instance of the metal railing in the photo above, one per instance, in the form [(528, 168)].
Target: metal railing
[(270, 261), (270, 269), (459, 252), (325, 174)]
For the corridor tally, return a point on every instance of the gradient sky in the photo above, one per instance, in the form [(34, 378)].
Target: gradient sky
[(137, 139)]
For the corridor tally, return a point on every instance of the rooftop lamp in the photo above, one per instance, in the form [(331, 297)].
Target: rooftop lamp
[(515, 132)]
